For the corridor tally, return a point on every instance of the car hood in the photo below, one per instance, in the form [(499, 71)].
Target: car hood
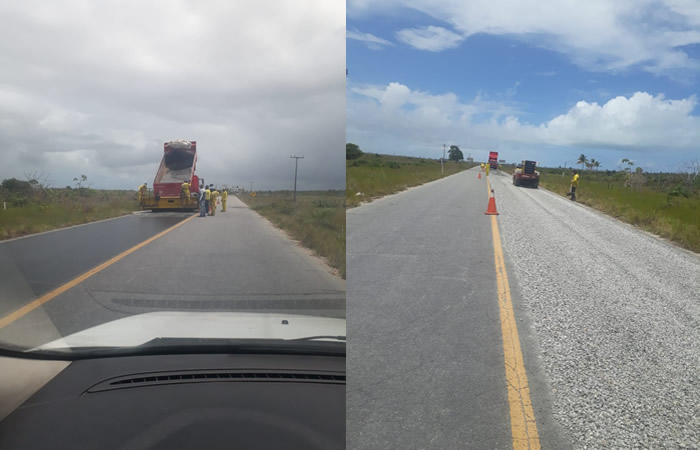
[(142, 328)]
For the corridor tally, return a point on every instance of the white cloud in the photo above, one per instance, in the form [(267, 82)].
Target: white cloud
[(595, 34), (642, 122), (431, 38), (373, 42), (101, 85), (395, 117), (395, 95)]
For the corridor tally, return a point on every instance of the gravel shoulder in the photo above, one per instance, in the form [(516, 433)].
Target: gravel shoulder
[(616, 313)]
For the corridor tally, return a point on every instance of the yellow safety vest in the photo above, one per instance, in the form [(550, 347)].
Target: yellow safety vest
[(574, 180), (207, 194), (224, 196)]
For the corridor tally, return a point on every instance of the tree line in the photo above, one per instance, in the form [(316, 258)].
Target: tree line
[(353, 151)]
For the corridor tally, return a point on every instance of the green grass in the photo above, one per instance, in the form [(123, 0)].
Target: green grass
[(649, 206), (316, 220), (373, 175), (64, 209)]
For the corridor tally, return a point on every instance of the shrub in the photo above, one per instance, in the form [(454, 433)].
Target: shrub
[(16, 186), (19, 200), (352, 151)]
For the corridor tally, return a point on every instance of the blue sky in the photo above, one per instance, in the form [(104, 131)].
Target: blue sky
[(546, 83)]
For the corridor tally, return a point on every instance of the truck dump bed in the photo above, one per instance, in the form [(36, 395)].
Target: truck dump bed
[(178, 164)]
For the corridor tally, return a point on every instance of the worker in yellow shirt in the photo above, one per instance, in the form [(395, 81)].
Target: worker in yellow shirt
[(574, 185), (488, 168), (185, 193), (207, 199), (143, 192), (482, 167), (214, 197), (224, 198)]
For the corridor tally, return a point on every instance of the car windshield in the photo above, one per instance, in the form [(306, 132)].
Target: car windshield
[(172, 177)]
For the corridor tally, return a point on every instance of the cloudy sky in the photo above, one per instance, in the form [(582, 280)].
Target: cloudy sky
[(545, 80), (95, 88)]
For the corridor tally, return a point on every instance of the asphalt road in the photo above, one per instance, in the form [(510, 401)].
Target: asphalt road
[(234, 261), (425, 361), (33, 265), (607, 318)]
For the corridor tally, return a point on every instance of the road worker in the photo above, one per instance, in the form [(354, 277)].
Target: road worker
[(482, 167), (214, 198), (488, 169), (143, 192), (574, 185), (207, 198), (224, 198), (202, 201), (185, 193)]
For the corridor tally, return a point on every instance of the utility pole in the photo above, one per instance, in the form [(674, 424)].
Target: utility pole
[(251, 186), (296, 165), (442, 161)]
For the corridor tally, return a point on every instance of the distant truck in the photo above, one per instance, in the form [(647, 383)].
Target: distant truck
[(493, 160), (178, 165), (525, 174)]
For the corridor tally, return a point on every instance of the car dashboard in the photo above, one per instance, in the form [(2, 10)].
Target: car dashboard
[(185, 401)]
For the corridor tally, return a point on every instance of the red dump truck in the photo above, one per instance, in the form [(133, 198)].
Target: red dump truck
[(178, 165), (493, 160)]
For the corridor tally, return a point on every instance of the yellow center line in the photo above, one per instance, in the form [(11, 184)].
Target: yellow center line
[(29, 307), (522, 417)]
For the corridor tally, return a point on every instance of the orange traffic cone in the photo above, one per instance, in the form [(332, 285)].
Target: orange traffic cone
[(480, 175), (491, 209)]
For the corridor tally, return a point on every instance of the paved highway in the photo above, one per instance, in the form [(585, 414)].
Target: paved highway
[(595, 301), (234, 261), (425, 361)]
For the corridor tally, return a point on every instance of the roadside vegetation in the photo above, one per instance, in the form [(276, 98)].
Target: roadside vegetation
[(316, 220), (373, 175), (31, 206), (666, 204)]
